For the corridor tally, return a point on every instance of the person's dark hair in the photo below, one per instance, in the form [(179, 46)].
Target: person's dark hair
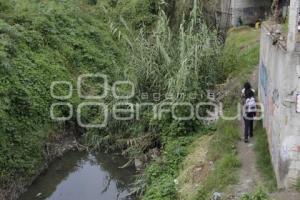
[(249, 93), (247, 86), (248, 90)]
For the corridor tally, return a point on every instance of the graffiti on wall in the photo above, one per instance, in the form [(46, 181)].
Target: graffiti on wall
[(263, 84), (275, 97), (263, 79), (289, 146)]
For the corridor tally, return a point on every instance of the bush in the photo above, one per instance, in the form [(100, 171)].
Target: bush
[(42, 42), (259, 194)]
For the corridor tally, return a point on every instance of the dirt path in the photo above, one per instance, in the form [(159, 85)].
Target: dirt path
[(249, 175), (285, 195)]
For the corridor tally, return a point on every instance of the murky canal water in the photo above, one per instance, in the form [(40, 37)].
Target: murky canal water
[(83, 176)]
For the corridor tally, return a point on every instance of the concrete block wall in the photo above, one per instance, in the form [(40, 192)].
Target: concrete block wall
[(249, 10), (224, 17), (279, 81)]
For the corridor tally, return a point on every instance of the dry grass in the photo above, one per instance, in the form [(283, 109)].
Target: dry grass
[(195, 168)]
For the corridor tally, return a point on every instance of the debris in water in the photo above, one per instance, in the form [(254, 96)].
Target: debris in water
[(39, 194), (216, 196), (176, 182)]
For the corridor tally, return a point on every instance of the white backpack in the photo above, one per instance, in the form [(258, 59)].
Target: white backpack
[(250, 105)]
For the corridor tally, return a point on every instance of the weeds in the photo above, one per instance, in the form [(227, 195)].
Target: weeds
[(42, 42), (297, 186), (263, 161), (51, 40), (244, 42), (259, 194), (223, 153)]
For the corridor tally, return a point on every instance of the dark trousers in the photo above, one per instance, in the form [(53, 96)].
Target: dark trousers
[(249, 125)]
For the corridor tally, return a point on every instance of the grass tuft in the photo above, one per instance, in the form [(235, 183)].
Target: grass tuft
[(297, 186), (263, 162), (259, 194)]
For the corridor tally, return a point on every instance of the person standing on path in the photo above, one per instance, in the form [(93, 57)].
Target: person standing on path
[(249, 111)]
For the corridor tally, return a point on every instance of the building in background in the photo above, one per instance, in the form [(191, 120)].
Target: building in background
[(242, 12)]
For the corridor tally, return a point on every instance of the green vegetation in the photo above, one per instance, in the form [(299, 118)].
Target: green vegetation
[(161, 174), (222, 148), (244, 42), (264, 162), (164, 62), (184, 63), (247, 40), (222, 152), (297, 186), (259, 194), (42, 42), (46, 41), (242, 47)]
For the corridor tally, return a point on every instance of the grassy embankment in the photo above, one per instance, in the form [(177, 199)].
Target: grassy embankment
[(42, 42), (211, 163), (48, 41), (246, 41)]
